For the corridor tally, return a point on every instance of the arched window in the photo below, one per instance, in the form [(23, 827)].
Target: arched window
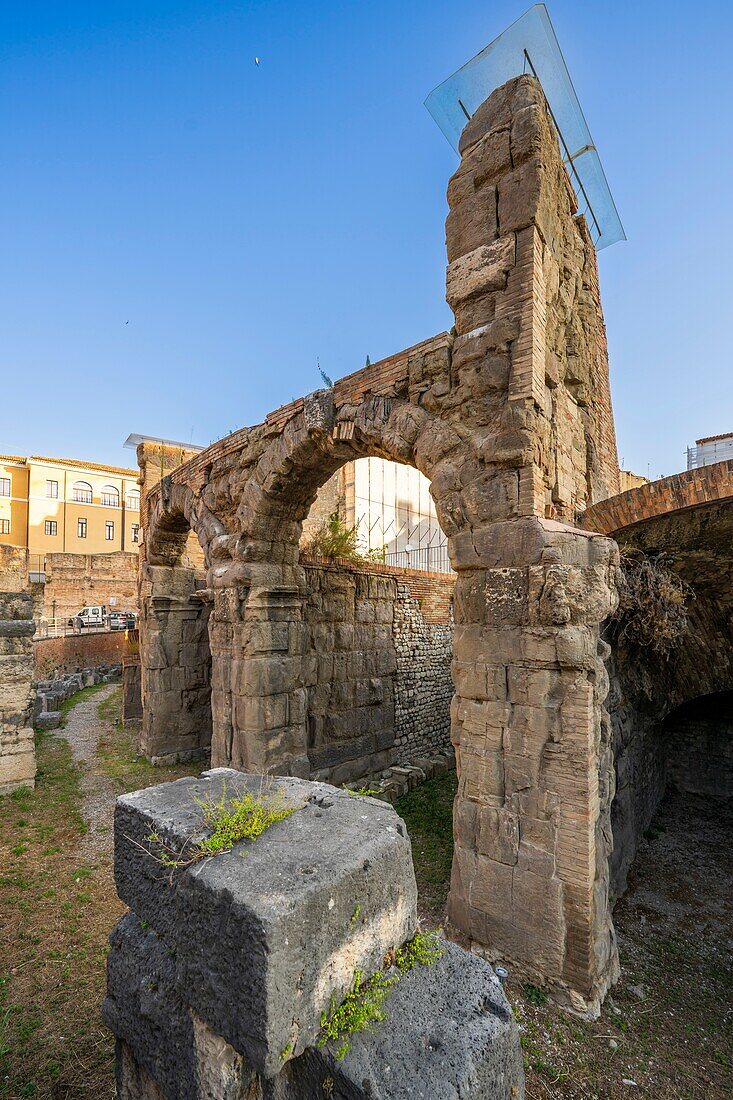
[(133, 500), (110, 496), (81, 492)]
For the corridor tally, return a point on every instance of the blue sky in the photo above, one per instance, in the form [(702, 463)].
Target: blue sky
[(246, 220)]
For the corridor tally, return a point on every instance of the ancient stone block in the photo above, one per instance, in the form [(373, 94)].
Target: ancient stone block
[(270, 922), (166, 1050)]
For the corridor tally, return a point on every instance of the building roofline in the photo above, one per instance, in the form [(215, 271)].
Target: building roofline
[(713, 438), (78, 464)]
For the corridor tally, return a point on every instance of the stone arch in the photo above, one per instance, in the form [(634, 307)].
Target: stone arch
[(268, 687), (180, 536), (321, 438), (510, 418), (689, 520)]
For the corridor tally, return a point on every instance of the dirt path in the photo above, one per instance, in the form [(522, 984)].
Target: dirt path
[(82, 731)]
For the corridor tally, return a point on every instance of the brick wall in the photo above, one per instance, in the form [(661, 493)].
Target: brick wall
[(78, 651), (656, 498)]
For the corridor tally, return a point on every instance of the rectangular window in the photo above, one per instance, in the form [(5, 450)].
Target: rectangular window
[(133, 502), (135, 532), (110, 500), (4, 486), (50, 527), (81, 528), (109, 531), (81, 496), (52, 490), (4, 526)]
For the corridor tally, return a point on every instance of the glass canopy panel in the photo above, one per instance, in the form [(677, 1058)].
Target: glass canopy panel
[(530, 46)]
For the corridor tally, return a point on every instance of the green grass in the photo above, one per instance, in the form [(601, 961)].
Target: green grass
[(108, 710), (57, 908), (428, 814)]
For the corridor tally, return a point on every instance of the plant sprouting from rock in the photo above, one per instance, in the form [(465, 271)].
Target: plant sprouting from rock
[(333, 539), (363, 1005), (229, 820)]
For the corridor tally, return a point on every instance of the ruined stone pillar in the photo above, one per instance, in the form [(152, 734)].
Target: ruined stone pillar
[(17, 748), (260, 678), (175, 660), (530, 874)]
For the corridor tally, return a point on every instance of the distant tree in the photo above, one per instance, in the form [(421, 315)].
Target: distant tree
[(368, 362)]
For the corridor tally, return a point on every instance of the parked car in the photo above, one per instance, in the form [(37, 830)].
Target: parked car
[(90, 618), (122, 620)]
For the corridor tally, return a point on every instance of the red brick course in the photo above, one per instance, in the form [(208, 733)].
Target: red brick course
[(78, 651), (669, 494)]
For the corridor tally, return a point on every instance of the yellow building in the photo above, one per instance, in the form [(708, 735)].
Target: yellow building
[(60, 505)]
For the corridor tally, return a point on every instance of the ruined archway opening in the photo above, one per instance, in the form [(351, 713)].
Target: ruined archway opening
[(175, 647), (380, 627), (697, 741)]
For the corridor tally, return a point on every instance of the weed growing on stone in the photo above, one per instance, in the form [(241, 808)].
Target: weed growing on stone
[(229, 821), (363, 792), (363, 1004), (242, 818), (535, 995), (360, 1008), (423, 949)]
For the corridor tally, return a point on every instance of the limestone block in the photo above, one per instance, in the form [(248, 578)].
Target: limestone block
[(49, 720), (481, 270), (270, 923), (499, 109)]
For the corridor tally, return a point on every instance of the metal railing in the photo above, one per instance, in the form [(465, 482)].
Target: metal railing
[(60, 628), (705, 454), (427, 559)]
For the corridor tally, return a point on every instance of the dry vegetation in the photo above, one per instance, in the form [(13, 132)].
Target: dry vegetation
[(56, 912), (653, 601)]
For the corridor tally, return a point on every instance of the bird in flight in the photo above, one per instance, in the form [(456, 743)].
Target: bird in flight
[(127, 322), (257, 61)]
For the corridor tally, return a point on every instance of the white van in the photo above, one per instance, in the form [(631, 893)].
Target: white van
[(90, 617)]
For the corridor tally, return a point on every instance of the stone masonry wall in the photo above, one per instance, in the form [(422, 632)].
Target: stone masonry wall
[(13, 568), (74, 581), (423, 684), (351, 703), (331, 497), (17, 747), (698, 747), (383, 685)]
